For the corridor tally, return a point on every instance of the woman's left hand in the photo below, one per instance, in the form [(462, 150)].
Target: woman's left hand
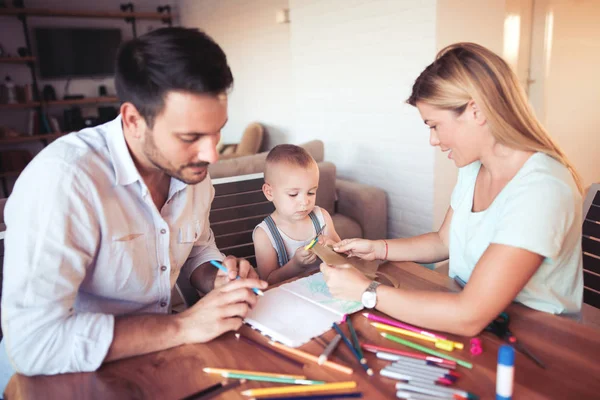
[(344, 281)]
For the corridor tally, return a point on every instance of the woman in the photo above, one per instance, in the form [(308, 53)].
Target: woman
[(513, 228)]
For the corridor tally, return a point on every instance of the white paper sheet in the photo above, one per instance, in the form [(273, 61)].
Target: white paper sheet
[(297, 311)]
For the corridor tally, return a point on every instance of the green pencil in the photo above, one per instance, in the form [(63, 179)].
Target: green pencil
[(271, 379), (426, 350), (355, 340)]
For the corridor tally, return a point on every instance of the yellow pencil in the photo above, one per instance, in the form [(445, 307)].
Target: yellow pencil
[(300, 389), (310, 357), (219, 371), (439, 343)]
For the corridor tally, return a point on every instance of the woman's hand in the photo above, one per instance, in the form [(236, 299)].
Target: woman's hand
[(344, 281), (362, 248)]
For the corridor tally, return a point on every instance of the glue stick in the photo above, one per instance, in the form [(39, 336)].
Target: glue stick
[(505, 373)]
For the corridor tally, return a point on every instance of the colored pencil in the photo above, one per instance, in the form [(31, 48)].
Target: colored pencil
[(401, 376), (376, 318), (355, 341), (435, 390), (417, 366), (222, 268), (368, 370), (440, 343), (426, 349), (321, 396), (416, 361), (214, 391), (219, 371), (402, 394), (419, 373), (263, 378), (300, 389), (204, 391), (310, 357), (270, 350), (373, 348), (329, 348)]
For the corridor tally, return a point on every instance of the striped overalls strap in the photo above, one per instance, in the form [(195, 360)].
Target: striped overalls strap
[(282, 255)]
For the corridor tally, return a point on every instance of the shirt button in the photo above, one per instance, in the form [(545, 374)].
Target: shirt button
[(163, 268), (163, 231), (163, 304)]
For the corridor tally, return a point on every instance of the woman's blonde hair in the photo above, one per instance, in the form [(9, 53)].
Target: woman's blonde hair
[(465, 71)]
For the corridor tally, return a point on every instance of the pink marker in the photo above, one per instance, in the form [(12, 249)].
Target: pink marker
[(372, 317)]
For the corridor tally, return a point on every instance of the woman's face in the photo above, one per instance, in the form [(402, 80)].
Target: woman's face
[(453, 133)]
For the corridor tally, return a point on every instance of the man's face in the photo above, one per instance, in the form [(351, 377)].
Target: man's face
[(183, 140)]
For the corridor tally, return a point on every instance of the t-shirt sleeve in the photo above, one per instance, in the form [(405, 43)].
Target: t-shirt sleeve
[(536, 216)]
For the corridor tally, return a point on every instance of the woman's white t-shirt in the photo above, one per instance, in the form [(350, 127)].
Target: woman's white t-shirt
[(539, 210)]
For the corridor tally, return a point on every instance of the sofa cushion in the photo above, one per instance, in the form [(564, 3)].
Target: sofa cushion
[(326, 193), (243, 165), (346, 227), (255, 163)]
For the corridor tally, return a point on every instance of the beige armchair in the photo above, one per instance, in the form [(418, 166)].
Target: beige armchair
[(249, 143)]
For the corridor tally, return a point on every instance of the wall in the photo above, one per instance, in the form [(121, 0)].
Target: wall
[(566, 91), (354, 63), (462, 21), (339, 72), (258, 51)]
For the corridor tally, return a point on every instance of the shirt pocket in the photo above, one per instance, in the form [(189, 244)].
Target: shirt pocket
[(130, 262), (189, 232)]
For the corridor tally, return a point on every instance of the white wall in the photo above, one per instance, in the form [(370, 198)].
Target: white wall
[(354, 63), (258, 51), (462, 21), (339, 72), (566, 91)]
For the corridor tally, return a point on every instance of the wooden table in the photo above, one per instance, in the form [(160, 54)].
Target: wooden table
[(570, 350)]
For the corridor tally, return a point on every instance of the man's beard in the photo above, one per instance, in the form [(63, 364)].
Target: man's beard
[(160, 162)]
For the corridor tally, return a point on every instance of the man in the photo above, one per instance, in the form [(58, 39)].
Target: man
[(101, 222)]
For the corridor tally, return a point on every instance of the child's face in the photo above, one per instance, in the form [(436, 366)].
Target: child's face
[(292, 189)]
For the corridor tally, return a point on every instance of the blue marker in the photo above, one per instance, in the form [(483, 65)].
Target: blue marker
[(222, 268), (505, 372)]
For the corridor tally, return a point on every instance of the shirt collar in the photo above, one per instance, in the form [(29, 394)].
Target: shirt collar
[(126, 172)]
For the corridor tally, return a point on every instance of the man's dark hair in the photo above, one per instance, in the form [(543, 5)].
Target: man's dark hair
[(169, 59)]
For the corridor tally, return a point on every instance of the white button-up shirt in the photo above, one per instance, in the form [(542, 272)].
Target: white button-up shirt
[(85, 242)]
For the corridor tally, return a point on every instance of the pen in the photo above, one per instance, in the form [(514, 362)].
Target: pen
[(222, 268)]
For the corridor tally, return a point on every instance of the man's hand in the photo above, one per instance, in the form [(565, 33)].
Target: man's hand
[(235, 267), (220, 311), (344, 281)]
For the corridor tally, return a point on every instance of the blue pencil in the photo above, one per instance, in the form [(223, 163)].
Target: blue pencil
[(222, 268), (368, 370)]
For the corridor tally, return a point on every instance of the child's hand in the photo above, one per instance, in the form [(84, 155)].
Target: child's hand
[(304, 257)]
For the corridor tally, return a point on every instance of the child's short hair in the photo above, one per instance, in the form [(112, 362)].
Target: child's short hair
[(288, 154)]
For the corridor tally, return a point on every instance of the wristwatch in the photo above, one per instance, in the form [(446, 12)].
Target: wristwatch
[(369, 296)]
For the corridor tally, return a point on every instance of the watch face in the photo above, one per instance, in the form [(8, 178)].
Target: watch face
[(369, 299)]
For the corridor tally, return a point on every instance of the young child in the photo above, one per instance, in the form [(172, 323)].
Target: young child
[(291, 181)]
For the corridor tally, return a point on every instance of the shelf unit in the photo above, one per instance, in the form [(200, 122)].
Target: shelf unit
[(16, 60), (47, 137), (67, 102), (164, 15), (126, 13)]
